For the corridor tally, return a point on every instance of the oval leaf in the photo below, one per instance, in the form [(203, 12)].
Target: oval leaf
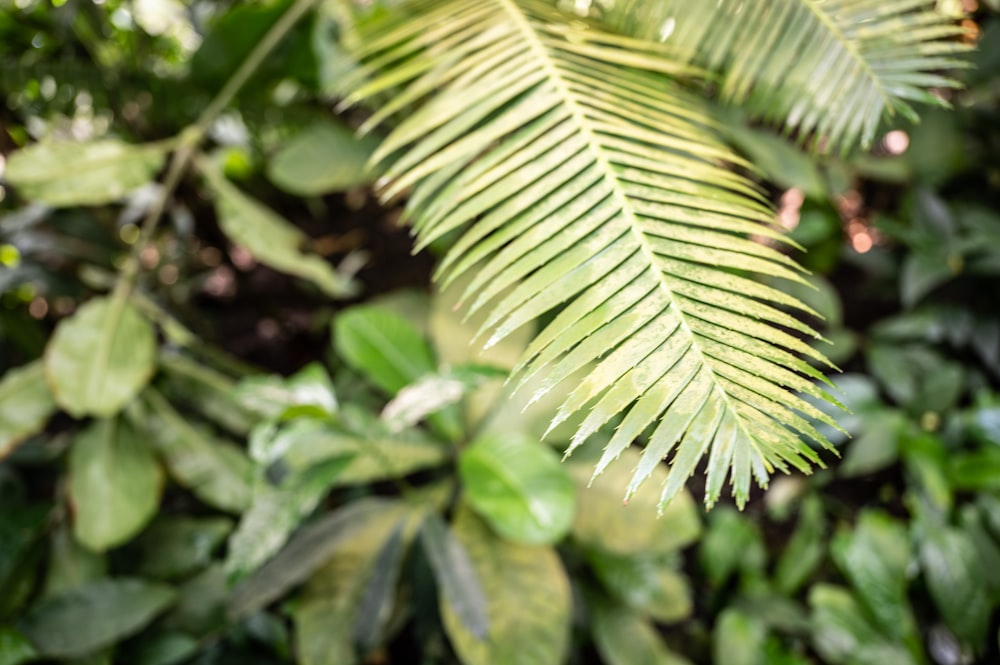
[(324, 157), (951, 567), (215, 471), (271, 239), (65, 173), (25, 405), (114, 484), (520, 487), (94, 616), (100, 358), (529, 600)]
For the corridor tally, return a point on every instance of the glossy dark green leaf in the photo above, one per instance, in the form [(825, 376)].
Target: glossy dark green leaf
[(738, 639), (603, 521), (805, 549), (215, 471), (25, 405), (455, 575), (20, 527), (94, 616), (843, 635), (71, 565), (324, 157), (519, 486), (875, 557), (383, 346), (175, 547), (308, 550), (65, 173), (271, 239), (975, 470), (201, 604), (166, 649), (529, 600), (115, 483), (100, 357), (15, 648), (624, 637), (950, 563)]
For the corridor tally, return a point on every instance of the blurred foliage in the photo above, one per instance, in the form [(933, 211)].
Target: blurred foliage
[(295, 480)]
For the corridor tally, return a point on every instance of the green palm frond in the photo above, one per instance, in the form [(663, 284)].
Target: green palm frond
[(831, 68), (601, 191)]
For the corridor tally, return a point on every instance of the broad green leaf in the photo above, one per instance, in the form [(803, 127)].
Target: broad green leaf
[(603, 521), (916, 376), (201, 604), (176, 547), (950, 565), (115, 484), (647, 583), (94, 616), (623, 637), (276, 510), (15, 648), (311, 548), (805, 549), (216, 471), (779, 159), (874, 557), (324, 157), (383, 346), (518, 485), (529, 600), (25, 405), (100, 357), (843, 635), (738, 639), (926, 460), (326, 613), (456, 576), (65, 173), (271, 239), (977, 470), (877, 444), (732, 544)]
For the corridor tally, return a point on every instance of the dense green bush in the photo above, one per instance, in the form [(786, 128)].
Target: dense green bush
[(227, 435)]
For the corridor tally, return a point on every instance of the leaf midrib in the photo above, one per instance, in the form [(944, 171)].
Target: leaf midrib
[(554, 75)]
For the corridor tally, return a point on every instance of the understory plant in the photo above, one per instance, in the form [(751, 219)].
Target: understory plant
[(226, 435)]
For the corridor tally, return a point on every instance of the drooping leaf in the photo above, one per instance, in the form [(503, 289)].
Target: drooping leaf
[(519, 487), (25, 405), (528, 595), (323, 157), (874, 557), (456, 576), (326, 614), (833, 68), (603, 521), (115, 484), (96, 615), (271, 239), (311, 548), (176, 547), (66, 173), (216, 471), (600, 190), (100, 357), (625, 638)]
